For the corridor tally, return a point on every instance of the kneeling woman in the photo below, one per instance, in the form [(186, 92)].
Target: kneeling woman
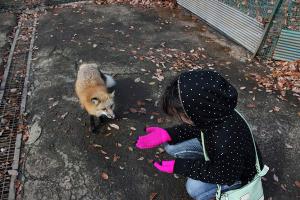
[(205, 102)]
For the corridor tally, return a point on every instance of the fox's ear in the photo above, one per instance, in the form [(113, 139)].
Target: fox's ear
[(95, 100), (112, 94)]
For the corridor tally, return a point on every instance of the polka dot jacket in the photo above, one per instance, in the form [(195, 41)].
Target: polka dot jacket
[(209, 101)]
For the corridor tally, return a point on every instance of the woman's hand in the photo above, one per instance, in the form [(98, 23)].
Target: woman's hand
[(155, 136), (165, 166)]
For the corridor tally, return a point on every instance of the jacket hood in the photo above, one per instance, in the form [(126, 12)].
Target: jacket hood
[(206, 97)]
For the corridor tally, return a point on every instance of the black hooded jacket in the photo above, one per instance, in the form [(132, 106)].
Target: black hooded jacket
[(209, 101)]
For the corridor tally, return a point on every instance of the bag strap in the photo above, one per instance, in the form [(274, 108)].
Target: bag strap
[(203, 148), (257, 164)]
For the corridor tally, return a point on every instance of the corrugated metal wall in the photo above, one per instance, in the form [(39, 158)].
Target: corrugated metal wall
[(245, 30), (288, 46)]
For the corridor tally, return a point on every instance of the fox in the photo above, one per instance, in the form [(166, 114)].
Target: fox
[(95, 91)]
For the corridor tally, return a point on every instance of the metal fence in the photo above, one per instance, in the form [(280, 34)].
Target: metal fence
[(286, 24)]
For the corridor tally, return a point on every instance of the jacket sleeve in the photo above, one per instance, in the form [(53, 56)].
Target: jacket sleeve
[(183, 132), (224, 169)]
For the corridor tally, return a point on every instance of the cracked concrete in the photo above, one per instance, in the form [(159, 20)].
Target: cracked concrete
[(66, 160)]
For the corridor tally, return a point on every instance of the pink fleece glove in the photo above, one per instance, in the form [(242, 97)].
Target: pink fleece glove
[(165, 166), (155, 137)]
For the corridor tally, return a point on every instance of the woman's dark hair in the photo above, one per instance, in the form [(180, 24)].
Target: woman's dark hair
[(171, 104)]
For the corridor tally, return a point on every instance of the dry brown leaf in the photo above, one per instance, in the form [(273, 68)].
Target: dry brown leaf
[(297, 183), (133, 110), (104, 176), (276, 109), (116, 158), (251, 105), (153, 196)]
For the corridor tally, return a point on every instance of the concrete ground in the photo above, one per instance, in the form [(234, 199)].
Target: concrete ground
[(63, 160), (7, 22)]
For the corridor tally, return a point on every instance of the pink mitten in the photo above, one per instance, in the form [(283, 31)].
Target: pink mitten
[(165, 166), (155, 137)]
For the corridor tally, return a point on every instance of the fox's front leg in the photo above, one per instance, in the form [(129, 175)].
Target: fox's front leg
[(92, 124)]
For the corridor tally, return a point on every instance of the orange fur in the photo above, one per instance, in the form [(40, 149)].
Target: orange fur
[(89, 85)]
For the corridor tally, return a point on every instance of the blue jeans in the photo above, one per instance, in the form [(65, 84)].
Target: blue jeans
[(198, 190)]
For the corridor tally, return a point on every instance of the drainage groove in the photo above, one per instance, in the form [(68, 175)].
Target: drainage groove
[(12, 104)]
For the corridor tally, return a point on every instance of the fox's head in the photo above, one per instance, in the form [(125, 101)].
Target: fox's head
[(104, 105)]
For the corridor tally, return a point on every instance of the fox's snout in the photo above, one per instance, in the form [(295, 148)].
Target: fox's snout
[(110, 115)]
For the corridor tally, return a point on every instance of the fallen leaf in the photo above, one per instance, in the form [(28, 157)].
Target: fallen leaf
[(251, 105), (283, 187), (104, 175), (97, 145), (161, 150), (297, 183), (288, 146), (133, 110), (276, 109), (103, 152), (115, 126), (108, 134), (275, 178), (137, 80), (242, 88), (116, 158), (152, 83), (119, 144), (140, 103), (64, 115), (141, 158), (153, 196), (130, 148)]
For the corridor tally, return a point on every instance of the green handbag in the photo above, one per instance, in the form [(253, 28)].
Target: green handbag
[(253, 190)]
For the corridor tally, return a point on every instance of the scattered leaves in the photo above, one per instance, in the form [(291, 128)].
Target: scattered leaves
[(283, 77)]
